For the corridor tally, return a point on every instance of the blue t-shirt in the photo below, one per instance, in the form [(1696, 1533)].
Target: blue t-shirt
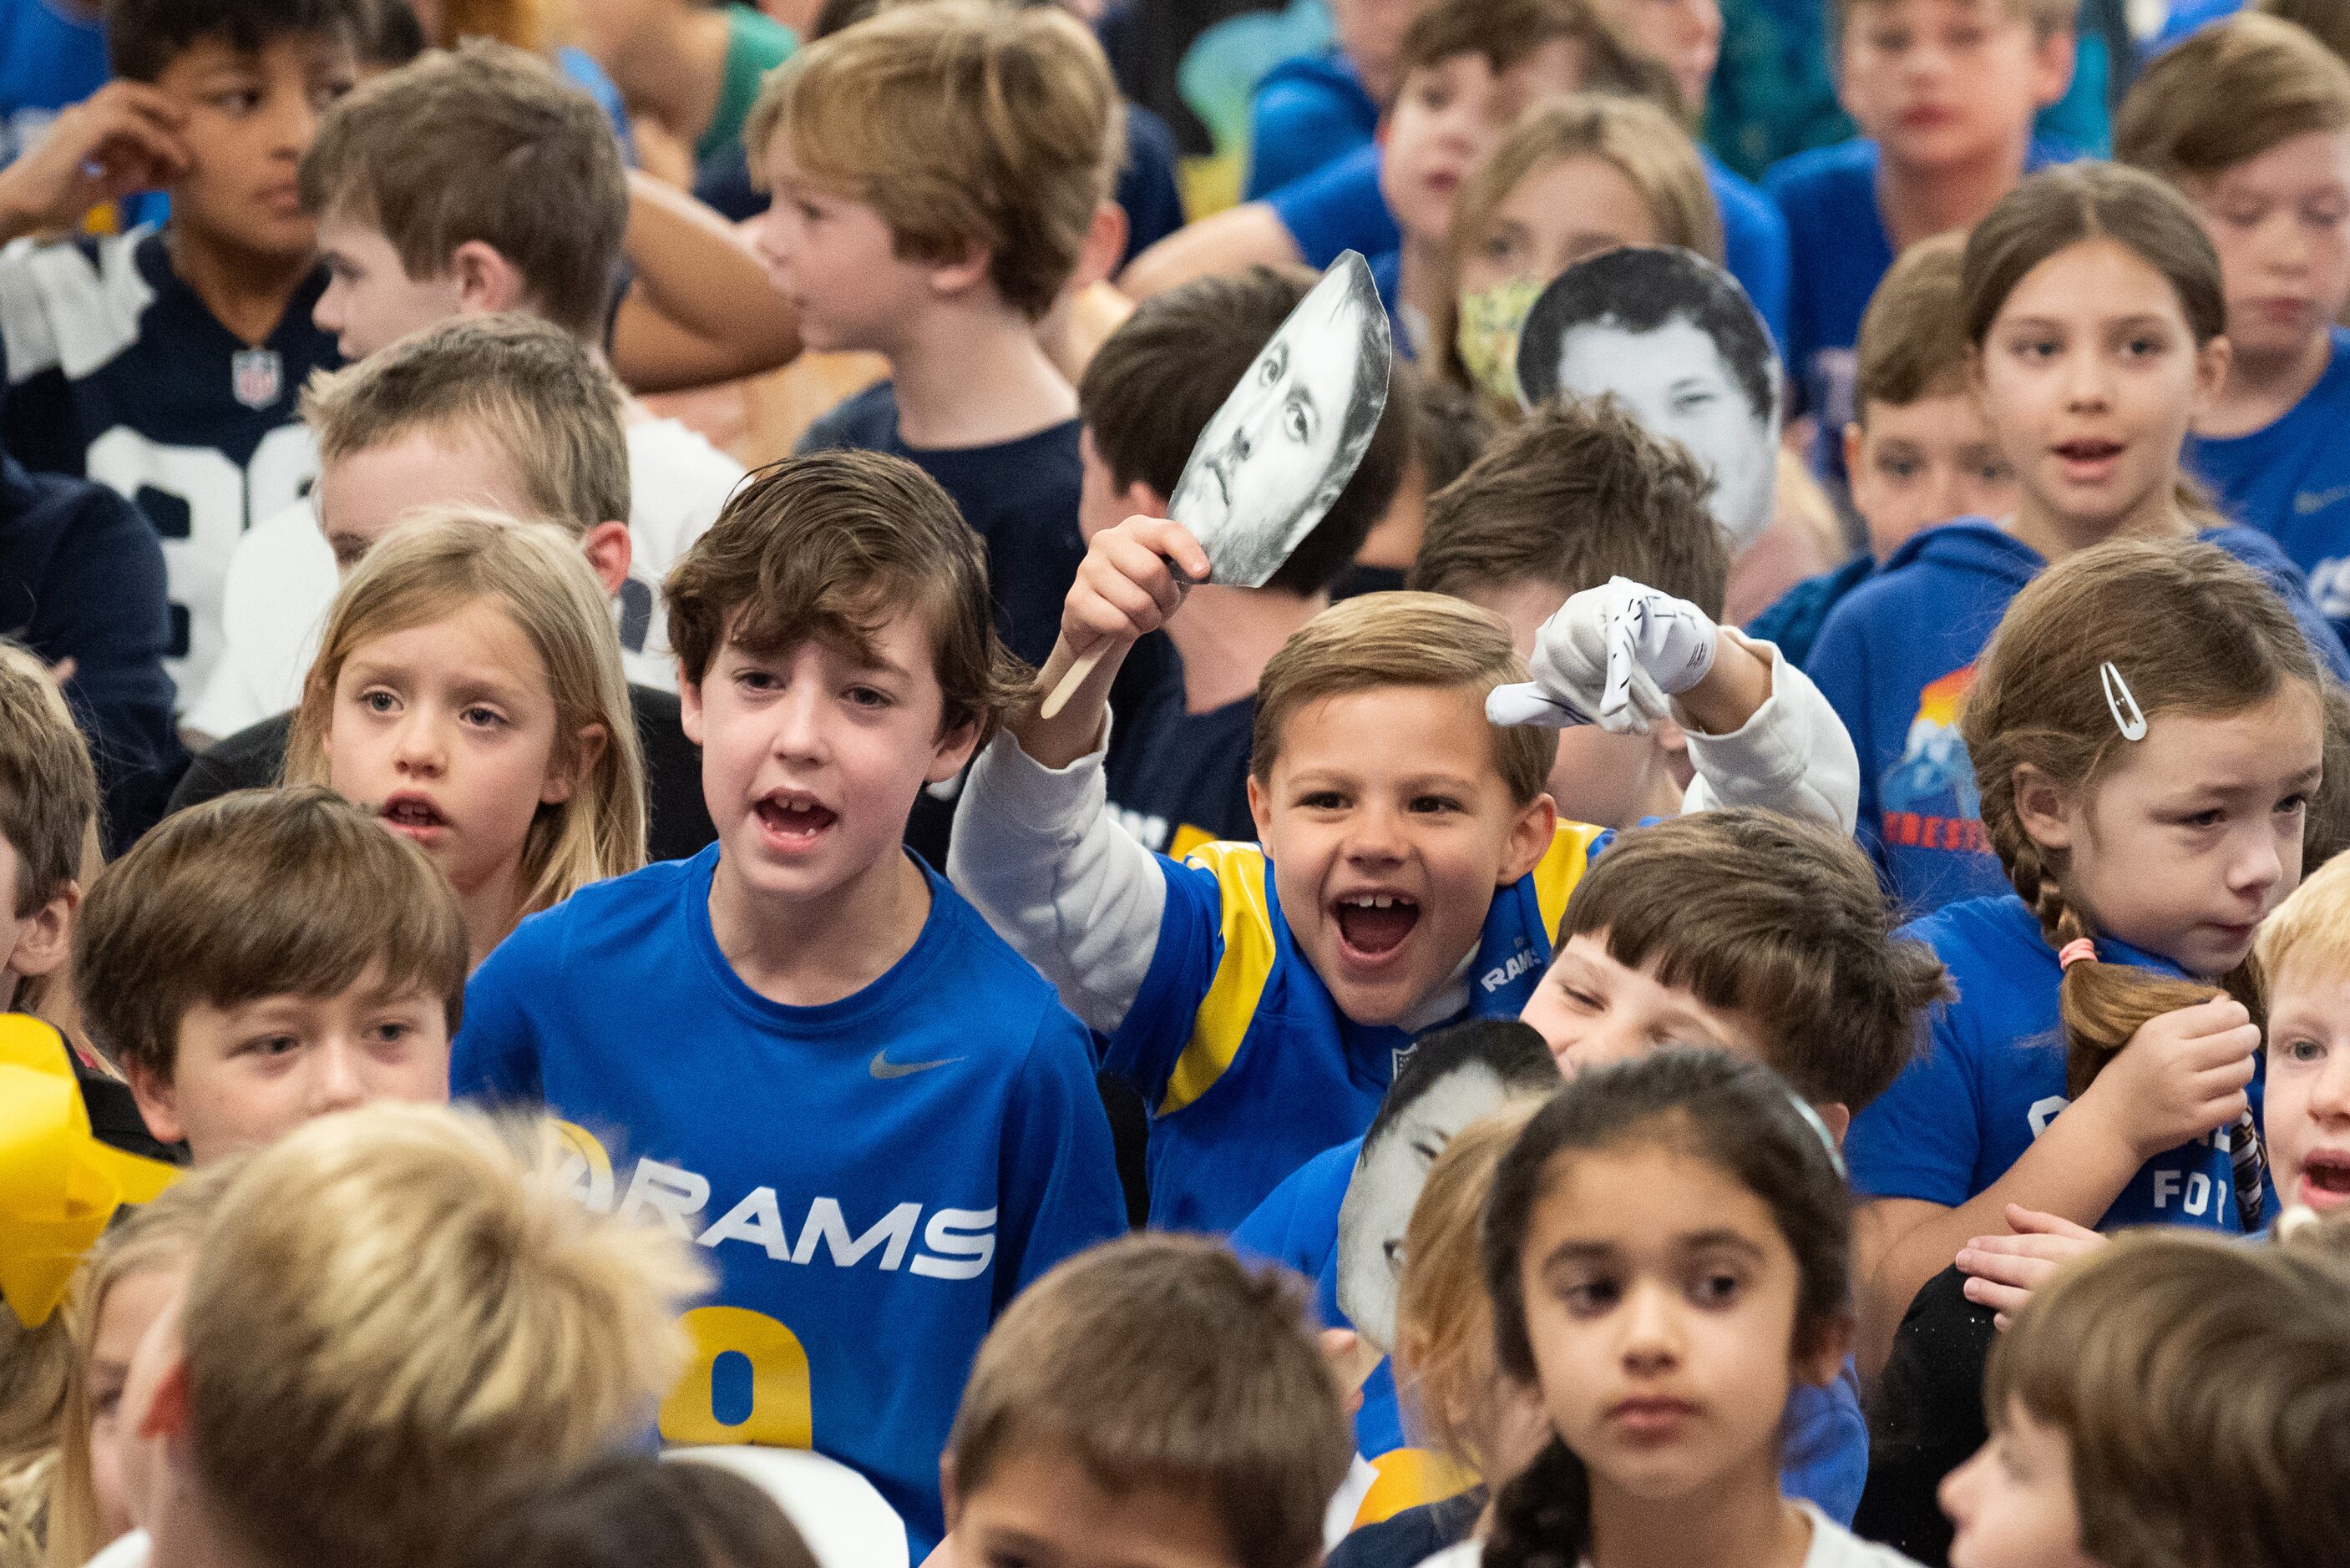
[(873, 1179), (1246, 1063), (2291, 482), (1840, 249), (1338, 208), (2188, 16), (1992, 1078), (1826, 1452), (1896, 659), (1308, 112), (118, 371)]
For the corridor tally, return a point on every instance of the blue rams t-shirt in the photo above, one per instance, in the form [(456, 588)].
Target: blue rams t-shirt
[(1826, 1450), (1992, 1078), (1338, 208), (2291, 482), (873, 1179), (1896, 659), (118, 372), (1840, 249), (1246, 1063), (1308, 112)]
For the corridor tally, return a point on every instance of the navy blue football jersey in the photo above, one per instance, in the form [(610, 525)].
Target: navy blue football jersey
[(117, 369)]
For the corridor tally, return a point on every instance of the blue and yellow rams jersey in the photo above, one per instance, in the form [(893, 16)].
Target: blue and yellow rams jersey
[(1233, 1040)]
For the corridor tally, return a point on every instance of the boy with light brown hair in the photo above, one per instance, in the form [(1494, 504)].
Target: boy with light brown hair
[(1412, 867), (1222, 1448), (2250, 118), (48, 805), (1574, 494), (397, 1313), (508, 412), (1917, 452), (266, 959), (936, 170), (469, 182), (1945, 92)]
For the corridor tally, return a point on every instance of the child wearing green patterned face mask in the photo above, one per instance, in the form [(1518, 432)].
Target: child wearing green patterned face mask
[(1576, 175)]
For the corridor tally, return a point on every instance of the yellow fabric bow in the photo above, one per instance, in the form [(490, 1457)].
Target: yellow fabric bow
[(58, 1185)]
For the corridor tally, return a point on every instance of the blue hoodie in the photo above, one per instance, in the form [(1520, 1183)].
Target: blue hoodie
[(1896, 659)]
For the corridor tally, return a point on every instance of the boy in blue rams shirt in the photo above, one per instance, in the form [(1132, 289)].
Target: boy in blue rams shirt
[(1944, 91), (1740, 930), (166, 362), (2250, 119), (801, 1047), (1413, 866)]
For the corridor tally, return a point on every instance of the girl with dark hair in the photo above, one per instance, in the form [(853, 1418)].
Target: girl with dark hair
[(1668, 1248)]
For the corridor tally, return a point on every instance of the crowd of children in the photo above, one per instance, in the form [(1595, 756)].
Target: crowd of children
[(570, 997)]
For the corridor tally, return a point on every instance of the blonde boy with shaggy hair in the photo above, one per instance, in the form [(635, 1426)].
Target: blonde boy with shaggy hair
[(504, 411), (2250, 119), (469, 182), (350, 1371), (1413, 866), (936, 169)]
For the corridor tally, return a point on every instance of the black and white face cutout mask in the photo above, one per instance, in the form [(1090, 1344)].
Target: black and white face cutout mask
[(1272, 461), (1676, 341)]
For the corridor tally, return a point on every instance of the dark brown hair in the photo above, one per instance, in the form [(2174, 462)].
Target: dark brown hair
[(481, 142), (1164, 1361), (1736, 1115), (1781, 920), (48, 792), (1571, 495), (1911, 347), (635, 1511), (292, 892), (2202, 1390), (2226, 94), (1156, 382), (829, 546), (1503, 32), (2189, 630), (2327, 20)]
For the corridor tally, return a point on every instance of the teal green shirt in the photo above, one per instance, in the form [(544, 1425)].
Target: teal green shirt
[(755, 45)]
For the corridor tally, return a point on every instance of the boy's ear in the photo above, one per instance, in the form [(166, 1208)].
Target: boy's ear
[(1839, 1117), (1852, 439), (158, 1102), (1260, 808), (1104, 247), (46, 938), (608, 550), (947, 1491), (955, 745), (966, 272), (1530, 838), (1144, 502), (2043, 808), (688, 708), (486, 281), (588, 749), (2052, 66), (166, 1414)]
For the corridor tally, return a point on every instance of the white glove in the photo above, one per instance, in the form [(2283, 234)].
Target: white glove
[(1613, 656)]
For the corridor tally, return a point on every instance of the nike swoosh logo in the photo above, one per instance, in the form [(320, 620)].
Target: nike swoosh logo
[(2309, 500), (885, 1069)]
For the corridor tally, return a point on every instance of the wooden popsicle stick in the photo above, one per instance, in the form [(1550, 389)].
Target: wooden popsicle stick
[(1058, 697)]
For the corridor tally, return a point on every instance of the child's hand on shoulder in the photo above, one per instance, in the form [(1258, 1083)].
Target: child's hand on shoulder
[(1614, 656), (2005, 1270), (2182, 1075), (1132, 579)]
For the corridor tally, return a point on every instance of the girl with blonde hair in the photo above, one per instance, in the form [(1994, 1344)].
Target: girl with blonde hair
[(468, 688)]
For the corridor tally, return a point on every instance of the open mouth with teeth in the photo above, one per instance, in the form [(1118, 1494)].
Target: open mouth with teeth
[(2325, 1180), (795, 818), (412, 815), (1373, 925), (2086, 451)]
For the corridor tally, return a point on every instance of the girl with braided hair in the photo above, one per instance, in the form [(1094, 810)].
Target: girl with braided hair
[(2147, 728)]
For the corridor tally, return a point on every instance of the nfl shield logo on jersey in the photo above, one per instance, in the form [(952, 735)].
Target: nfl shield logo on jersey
[(256, 375)]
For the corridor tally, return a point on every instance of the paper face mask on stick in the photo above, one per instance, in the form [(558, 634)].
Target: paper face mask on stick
[(1273, 459), (1675, 339)]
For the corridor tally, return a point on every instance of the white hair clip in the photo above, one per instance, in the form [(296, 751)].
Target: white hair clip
[(2128, 716)]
